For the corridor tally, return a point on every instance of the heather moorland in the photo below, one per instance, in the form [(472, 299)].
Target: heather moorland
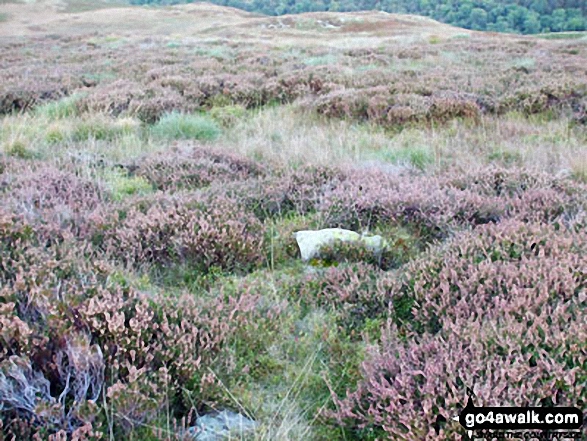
[(155, 163)]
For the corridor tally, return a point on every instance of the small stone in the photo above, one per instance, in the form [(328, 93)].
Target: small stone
[(310, 242), (221, 425)]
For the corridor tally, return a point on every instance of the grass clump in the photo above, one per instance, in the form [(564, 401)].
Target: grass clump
[(416, 156), (121, 185), (579, 170), (64, 108), (177, 125), (18, 149), (101, 128)]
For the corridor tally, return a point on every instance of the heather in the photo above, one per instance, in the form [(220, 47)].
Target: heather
[(151, 186), (498, 309)]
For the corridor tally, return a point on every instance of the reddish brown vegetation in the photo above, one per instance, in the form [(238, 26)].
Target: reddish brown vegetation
[(70, 328), (499, 306), (417, 83), (496, 310), (191, 168)]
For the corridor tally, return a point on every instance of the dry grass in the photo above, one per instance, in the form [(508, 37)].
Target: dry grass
[(291, 135), (91, 135), (287, 135)]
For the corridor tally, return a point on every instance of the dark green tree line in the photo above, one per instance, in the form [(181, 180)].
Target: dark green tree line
[(520, 16)]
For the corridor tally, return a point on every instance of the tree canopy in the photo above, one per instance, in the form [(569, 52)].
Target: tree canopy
[(520, 16)]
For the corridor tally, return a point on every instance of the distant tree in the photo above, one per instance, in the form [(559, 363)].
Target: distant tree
[(522, 16), (478, 19), (532, 23), (559, 18)]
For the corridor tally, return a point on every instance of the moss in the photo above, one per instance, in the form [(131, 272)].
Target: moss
[(121, 185)]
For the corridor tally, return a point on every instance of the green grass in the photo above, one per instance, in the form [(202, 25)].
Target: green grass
[(418, 157), (524, 63), (321, 60), (121, 185), (18, 149), (102, 129), (563, 35), (186, 126), (64, 108), (228, 115)]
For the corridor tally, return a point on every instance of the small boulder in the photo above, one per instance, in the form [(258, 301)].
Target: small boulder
[(310, 242), (221, 425)]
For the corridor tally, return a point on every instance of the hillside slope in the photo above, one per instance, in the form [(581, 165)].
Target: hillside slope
[(205, 19), (155, 164)]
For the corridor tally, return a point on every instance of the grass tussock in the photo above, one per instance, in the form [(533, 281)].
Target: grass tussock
[(181, 126)]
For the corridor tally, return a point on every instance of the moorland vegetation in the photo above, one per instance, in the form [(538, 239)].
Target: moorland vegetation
[(150, 186)]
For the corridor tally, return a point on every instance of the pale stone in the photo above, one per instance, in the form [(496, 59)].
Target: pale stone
[(310, 241), (222, 425)]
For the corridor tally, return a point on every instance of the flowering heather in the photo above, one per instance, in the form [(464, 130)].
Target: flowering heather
[(433, 208), (191, 168), (369, 199), (288, 192), (149, 274), (192, 229), (501, 310), (352, 291), (70, 329), (431, 83), (56, 201)]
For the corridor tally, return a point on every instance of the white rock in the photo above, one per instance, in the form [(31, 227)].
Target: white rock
[(220, 426), (310, 241)]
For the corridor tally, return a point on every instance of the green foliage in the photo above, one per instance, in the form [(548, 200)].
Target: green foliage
[(121, 185), (418, 157), (185, 126), (18, 149), (227, 116), (102, 129), (520, 16), (64, 108)]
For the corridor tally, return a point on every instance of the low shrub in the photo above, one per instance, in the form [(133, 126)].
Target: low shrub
[(196, 167), (196, 230), (428, 211), (75, 336), (351, 291), (288, 192), (57, 202), (498, 310)]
